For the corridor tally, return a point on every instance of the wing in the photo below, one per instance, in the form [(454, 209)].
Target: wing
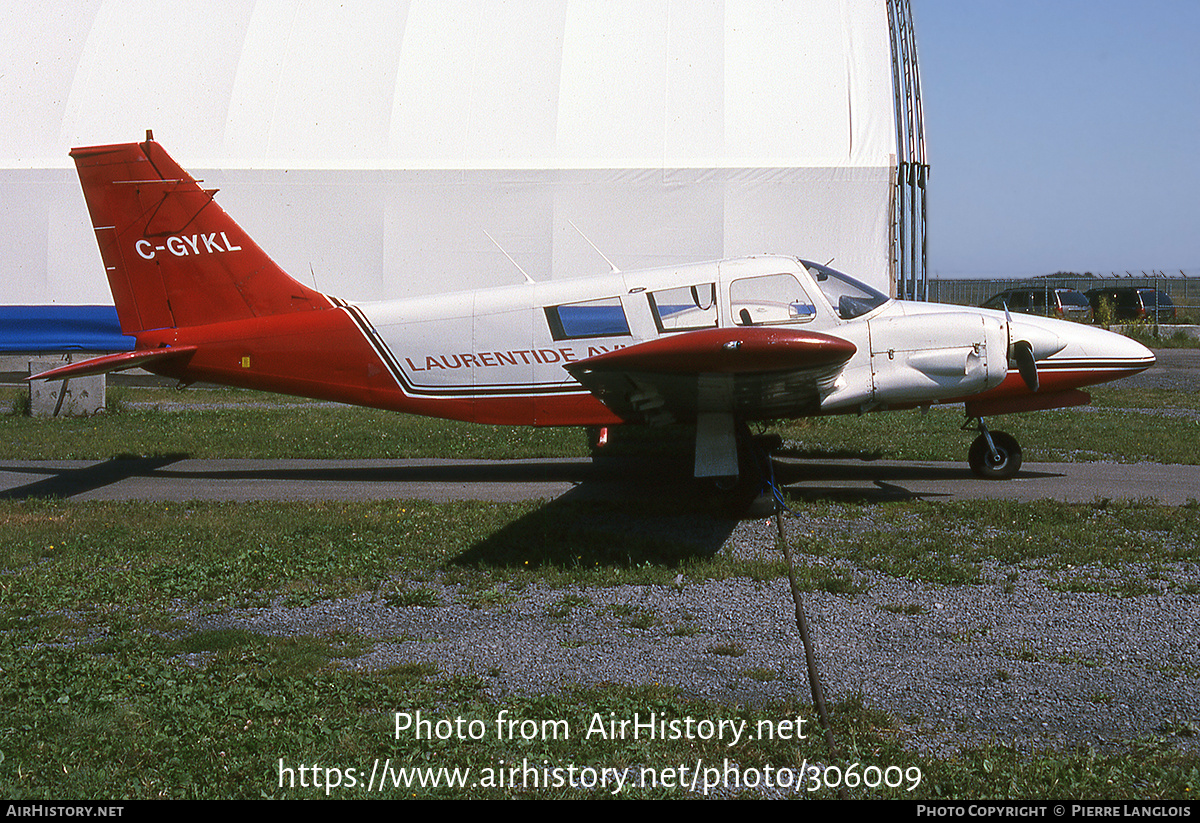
[(752, 373)]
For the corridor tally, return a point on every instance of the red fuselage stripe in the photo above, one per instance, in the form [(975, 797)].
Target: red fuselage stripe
[(326, 355)]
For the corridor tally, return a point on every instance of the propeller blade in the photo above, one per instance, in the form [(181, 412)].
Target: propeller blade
[(1022, 353)]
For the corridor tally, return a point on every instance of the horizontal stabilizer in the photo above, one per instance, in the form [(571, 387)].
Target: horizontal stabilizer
[(113, 362)]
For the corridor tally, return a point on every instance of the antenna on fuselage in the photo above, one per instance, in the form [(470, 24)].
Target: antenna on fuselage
[(528, 279), (610, 263)]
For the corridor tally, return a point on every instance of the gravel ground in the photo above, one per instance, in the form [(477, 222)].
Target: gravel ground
[(1009, 661)]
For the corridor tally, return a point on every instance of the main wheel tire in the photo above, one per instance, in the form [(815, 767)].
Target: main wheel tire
[(985, 465)]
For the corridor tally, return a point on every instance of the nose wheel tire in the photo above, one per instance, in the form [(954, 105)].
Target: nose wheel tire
[(1003, 464)]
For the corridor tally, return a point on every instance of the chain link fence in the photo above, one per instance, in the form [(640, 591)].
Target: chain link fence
[(1183, 288)]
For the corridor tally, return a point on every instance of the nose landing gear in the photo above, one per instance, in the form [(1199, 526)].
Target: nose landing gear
[(993, 455)]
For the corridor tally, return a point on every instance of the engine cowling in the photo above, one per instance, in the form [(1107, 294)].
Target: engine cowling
[(928, 358)]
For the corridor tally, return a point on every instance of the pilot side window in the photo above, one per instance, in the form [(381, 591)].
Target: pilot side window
[(775, 298), (685, 308), (591, 318)]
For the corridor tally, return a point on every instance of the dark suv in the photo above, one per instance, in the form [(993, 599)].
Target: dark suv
[(1066, 304), (1131, 303)]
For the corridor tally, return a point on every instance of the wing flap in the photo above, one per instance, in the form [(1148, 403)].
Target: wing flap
[(753, 372)]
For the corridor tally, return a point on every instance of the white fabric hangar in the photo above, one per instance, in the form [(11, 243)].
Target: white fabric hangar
[(371, 150)]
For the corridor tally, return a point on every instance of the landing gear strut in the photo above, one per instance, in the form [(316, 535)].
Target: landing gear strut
[(748, 494), (993, 455)]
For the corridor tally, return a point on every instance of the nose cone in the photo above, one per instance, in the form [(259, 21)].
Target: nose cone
[(1125, 348), (1097, 356), (1057, 340), (1109, 345)]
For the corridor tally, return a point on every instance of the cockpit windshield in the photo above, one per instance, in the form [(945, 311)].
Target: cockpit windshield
[(849, 297)]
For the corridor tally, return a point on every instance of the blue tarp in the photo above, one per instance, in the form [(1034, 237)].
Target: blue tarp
[(61, 328)]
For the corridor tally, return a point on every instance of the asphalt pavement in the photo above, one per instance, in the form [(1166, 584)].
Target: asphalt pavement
[(621, 478)]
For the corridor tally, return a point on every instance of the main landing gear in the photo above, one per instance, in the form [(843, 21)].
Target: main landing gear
[(752, 495), (993, 455)]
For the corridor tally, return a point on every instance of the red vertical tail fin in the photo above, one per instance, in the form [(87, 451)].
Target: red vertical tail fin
[(173, 257)]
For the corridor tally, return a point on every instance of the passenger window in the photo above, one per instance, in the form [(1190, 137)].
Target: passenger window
[(592, 318), (775, 298), (684, 308)]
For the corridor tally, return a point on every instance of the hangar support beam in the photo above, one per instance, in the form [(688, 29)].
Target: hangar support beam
[(909, 248)]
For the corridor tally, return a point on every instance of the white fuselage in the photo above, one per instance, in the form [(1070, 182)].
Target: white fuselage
[(502, 341)]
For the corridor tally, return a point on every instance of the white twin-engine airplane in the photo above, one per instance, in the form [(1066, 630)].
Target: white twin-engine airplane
[(713, 344)]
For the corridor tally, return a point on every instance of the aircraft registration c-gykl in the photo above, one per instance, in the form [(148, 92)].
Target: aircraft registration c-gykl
[(713, 344)]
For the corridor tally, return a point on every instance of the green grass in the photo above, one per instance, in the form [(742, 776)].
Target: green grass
[(66, 557), (240, 427), (948, 542), (1145, 398)]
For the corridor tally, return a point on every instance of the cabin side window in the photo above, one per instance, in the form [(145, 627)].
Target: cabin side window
[(774, 298), (591, 318), (685, 308)]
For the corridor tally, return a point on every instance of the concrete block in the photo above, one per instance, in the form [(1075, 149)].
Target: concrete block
[(77, 397)]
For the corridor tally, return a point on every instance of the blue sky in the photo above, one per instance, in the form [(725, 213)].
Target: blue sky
[(1062, 135)]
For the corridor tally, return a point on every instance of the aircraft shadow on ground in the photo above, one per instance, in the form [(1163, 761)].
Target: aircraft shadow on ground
[(587, 527), (69, 482), (611, 475), (624, 471), (873, 482)]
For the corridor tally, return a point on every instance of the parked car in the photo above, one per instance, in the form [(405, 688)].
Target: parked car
[(1065, 304), (1131, 303)]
